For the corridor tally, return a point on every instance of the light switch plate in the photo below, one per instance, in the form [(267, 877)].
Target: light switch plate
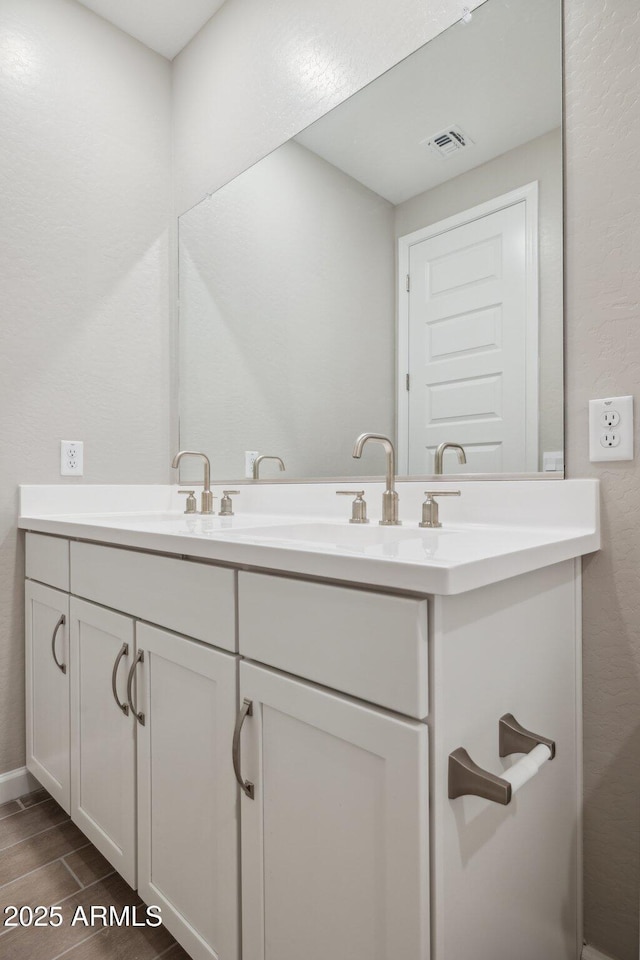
[(611, 429)]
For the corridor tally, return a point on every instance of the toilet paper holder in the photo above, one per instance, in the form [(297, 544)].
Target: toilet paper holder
[(466, 778)]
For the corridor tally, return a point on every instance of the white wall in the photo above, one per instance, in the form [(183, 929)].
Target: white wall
[(84, 343), (541, 160), (287, 282)]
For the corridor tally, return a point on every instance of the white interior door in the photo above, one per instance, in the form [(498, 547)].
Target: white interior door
[(471, 339)]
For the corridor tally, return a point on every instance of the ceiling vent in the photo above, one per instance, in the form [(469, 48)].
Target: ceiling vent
[(449, 142)]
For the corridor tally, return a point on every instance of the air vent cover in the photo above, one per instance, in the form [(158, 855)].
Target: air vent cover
[(450, 141)]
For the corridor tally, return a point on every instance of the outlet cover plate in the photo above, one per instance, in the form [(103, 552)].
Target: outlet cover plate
[(71, 458), (611, 429), (249, 457)]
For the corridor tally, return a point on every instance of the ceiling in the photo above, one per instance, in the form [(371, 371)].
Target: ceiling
[(164, 25), (498, 78)]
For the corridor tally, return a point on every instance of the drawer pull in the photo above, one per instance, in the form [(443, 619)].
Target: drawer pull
[(138, 715), (466, 778), (124, 650), (246, 711), (61, 622)]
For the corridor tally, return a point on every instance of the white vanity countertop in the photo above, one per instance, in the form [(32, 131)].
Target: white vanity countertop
[(318, 541)]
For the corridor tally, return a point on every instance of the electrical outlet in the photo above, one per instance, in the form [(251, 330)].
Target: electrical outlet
[(71, 458), (611, 429), (249, 459), (610, 418), (552, 461)]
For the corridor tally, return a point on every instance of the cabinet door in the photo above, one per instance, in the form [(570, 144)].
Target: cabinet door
[(187, 795), (103, 760), (47, 689), (335, 840)]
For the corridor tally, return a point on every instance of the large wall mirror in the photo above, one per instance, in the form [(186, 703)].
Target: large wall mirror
[(395, 268)]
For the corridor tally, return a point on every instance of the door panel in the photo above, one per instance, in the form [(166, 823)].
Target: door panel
[(470, 344), (47, 689), (335, 842), (103, 759), (187, 794)]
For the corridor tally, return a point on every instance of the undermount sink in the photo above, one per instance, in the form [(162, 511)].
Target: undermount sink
[(339, 534)]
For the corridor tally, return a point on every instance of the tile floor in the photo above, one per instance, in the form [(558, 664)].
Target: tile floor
[(45, 859)]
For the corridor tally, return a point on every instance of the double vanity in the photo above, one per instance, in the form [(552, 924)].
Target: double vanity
[(253, 716)]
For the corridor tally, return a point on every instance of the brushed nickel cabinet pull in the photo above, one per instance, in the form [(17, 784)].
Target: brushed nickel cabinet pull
[(61, 622), (124, 650), (138, 715), (246, 711)]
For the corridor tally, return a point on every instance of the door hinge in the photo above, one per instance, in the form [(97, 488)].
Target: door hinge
[(408, 283), (407, 382)]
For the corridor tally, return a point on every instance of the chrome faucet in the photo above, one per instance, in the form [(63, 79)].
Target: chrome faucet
[(389, 497), (206, 500), (462, 457), (258, 461)]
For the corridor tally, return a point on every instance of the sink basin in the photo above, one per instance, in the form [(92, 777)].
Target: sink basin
[(338, 534)]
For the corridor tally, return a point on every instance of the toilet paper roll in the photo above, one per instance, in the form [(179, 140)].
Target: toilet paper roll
[(526, 768)]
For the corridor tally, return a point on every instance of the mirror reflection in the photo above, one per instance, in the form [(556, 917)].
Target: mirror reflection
[(395, 268)]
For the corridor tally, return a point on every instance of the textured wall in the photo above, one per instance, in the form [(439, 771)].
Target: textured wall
[(300, 360), (541, 160), (603, 359), (84, 162)]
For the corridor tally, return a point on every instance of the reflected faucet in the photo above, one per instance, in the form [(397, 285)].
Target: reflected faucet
[(462, 457), (258, 461), (206, 500), (389, 497)]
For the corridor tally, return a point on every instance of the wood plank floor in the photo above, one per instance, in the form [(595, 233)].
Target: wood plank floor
[(45, 860)]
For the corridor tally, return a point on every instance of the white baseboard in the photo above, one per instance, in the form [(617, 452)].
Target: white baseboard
[(590, 953), (16, 783)]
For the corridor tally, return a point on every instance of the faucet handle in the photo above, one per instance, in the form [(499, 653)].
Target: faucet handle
[(430, 516), (226, 504), (192, 505), (358, 507)]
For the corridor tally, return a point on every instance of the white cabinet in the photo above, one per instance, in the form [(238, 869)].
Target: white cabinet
[(350, 704), (335, 848), (369, 645), (103, 736), (187, 794), (155, 710), (47, 689), (510, 873), (130, 728)]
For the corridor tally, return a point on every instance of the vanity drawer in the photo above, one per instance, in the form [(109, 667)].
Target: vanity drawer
[(195, 599), (370, 645), (47, 560)]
